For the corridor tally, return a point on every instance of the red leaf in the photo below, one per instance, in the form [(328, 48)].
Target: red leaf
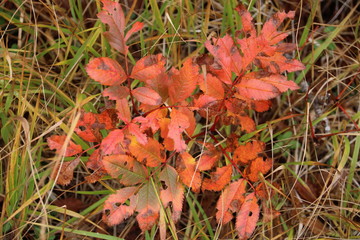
[(262, 49), (218, 179), (106, 71), (57, 142), (148, 206), (247, 217), (188, 175), (246, 21), (269, 31), (66, 171), (174, 191), (204, 101), (226, 54), (278, 63), (230, 201), (148, 68), (183, 82), (151, 153), (254, 88), (147, 96), (116, 92), (94, 162), (137, 132), (179, 122), (113, 15), (137, 26), (113, 143), (261, 86), (115, 210)]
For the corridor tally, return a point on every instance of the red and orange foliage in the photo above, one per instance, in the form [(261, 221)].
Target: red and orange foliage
[(144, 141)]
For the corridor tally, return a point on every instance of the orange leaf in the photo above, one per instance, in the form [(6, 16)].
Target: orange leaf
[(191, 119), (258, 166), (122, 106), (106, 71), (247, 217), (115, 210), (151, 154), (174, 191), (160, 84), (148, 68), (152, 120), (218, 179), (230, 201), (131, 172), (57, 142), (188, 175), (148, 206), (164, 127), (183, 82), (179, 122), (261, 105), (147, 96), (113, 15), (212, 86), (208, 159), (117, 164), (90, 124), (113, 143), (66, 171), (247, 124), (245, 153)]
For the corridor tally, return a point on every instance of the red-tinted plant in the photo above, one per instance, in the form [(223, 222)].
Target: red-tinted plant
[(153, 138)]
